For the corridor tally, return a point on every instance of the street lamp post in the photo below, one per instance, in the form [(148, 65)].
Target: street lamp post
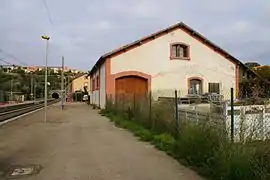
[(47, 38)]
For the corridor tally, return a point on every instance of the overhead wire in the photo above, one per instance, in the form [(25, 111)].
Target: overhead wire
[(48, 12), (5, 61), (13, 57)]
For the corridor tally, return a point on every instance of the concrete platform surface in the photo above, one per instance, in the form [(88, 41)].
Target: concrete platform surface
[(79, 144)]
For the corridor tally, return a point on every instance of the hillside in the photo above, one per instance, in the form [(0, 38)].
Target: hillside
[(20, 82)]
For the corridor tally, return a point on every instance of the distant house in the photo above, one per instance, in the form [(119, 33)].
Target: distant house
[(55, 69), (261, 67), (252, 64), (8, 68), (78, 83), (177, 57)]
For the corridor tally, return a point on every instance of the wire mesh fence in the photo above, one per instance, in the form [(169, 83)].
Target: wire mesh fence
[(156, 115), (240, 119), (228, 137)]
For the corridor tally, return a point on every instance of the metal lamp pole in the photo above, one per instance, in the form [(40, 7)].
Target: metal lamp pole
[(47, 38)]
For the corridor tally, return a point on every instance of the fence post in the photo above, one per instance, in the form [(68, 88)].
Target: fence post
[(232, 115), (150, 110), (116, 103), (176, 112)]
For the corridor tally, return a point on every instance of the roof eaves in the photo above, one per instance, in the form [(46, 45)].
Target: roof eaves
[(141, 40), (181, 25), (227, 55), (78, 76), (97, 64)]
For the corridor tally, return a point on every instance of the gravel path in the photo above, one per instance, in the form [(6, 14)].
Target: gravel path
[(79, 144)]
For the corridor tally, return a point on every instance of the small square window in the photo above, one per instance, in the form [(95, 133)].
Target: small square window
[(180, 51), (213, 88)]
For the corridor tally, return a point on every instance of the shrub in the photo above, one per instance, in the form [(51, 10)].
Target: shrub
[(210, 151), (204, 145), (144, 134), (199, 145), (163, 117), (164, 142)]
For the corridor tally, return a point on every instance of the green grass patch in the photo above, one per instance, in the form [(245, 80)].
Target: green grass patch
[(204, 148)]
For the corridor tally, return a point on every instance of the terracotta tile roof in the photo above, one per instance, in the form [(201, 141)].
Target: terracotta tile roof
[(162, 32)]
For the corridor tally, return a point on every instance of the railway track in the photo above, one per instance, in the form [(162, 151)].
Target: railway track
[(12, 111)]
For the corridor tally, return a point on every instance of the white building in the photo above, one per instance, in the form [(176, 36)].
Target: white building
[(176, 58)]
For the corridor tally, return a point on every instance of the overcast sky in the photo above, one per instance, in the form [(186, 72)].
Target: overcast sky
[(83, 30)]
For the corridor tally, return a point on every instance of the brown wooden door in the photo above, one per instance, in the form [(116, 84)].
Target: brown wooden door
[(131, 85)]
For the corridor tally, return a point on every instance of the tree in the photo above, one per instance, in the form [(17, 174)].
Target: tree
[(18, 71), (264, 72), (252, 64), (20, 81)]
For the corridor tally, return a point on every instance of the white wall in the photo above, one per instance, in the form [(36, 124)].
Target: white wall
[(98, 97), (91, 93), (78, 83), (102, 86), (94, 94), (154, 58)]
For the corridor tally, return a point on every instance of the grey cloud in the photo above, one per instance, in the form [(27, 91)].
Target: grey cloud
[(84, 30)]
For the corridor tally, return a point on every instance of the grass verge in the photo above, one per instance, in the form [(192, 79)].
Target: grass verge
[(205, 149)]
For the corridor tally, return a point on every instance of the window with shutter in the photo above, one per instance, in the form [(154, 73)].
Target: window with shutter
[(97, 79), (93, 84), (195, 86), (174, 51), (213, 88), (180, 51)]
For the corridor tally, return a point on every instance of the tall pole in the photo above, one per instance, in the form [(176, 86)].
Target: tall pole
[(35, 92), (65, 89), (232, 116), (176, 112), (32, 97), (11, 89), (68, 84), (47, 38), (68, 88), (46, 82), (62, 84)]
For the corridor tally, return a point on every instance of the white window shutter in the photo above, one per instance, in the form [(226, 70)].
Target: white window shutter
[(182, 52), (174, 51)]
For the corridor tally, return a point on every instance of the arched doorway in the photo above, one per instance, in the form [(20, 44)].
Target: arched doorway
[(195, 86), (130, 85)]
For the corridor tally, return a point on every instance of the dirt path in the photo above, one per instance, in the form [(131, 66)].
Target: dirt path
[(79, 144)]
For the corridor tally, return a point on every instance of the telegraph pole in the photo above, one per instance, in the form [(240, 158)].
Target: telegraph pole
[(35, 92), (47, 38), (32, 97), (68, 88), (11, 89), (62, 84), (65, 88)]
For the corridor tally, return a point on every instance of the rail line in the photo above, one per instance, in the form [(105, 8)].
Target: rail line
[(12, 111)]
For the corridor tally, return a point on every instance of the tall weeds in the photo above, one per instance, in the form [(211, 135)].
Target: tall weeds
[(204, 145)]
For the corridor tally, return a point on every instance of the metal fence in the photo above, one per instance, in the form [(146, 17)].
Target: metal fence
[(244, 120), (168, 113)]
